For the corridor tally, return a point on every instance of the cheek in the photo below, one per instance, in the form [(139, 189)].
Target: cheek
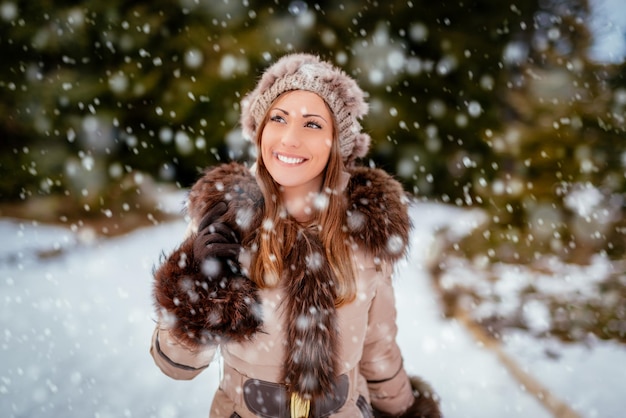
[(262, 149), (265, 140), (266, 154), (328, 148)]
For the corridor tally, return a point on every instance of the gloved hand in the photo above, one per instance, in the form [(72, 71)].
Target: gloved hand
[(425, 404), (201, 293), (215, 239)]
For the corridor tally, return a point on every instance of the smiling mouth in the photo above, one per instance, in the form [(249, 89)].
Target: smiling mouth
[(289, 160)]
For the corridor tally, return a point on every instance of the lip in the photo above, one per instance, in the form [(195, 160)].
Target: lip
[(289, 159)]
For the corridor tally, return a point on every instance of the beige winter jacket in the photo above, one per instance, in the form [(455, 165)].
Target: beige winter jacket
[(368, 353)]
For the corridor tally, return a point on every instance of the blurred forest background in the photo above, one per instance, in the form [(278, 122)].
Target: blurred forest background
[(490, 104)]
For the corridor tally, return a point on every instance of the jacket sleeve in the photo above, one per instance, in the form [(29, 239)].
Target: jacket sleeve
[(381, 362), (176, 360)]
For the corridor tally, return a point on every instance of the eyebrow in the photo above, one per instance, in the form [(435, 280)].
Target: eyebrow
[(306, 115)]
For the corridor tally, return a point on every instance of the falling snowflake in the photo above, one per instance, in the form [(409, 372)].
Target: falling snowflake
[(395, 244)]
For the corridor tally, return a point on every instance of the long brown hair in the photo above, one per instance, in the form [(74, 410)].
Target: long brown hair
[(279, 231)]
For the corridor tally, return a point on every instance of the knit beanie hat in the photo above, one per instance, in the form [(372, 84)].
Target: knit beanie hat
[(307, 72)]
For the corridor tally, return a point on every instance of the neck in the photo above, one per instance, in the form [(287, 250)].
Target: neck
[(299, 203)]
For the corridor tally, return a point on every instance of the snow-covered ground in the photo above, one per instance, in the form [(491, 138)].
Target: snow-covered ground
[(76, 318)]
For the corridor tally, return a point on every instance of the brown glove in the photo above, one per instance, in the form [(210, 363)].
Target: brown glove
[(425, 405), (215, 239)]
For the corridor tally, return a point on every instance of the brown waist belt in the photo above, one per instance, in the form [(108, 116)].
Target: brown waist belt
[(271, 400)]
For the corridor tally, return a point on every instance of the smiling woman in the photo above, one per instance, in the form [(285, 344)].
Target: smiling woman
[(287, 266)]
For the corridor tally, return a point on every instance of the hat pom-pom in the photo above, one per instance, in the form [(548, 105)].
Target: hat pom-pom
[(361, 145)]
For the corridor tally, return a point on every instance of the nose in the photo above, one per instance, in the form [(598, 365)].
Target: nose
[(291, 136)]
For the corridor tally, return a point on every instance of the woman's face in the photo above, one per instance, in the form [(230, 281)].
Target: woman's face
[(296, 141)]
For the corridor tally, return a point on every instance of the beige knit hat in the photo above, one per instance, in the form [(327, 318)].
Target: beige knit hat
[(307, 72)]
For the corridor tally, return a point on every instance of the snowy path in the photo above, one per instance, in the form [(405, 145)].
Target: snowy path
[(75, 330), (470, 380)]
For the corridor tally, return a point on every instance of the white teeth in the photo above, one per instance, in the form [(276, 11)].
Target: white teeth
[(289, 160)]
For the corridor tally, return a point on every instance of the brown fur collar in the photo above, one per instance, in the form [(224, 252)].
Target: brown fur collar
[(378, 220), (379, 225)]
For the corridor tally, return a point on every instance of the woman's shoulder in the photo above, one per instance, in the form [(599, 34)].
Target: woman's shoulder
[(378, 218), (376, 181)]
